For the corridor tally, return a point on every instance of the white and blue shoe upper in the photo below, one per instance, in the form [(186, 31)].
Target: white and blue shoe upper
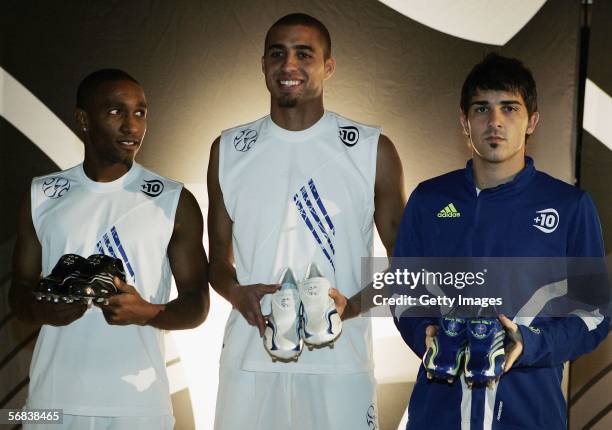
[(282, 334), (321, 323)]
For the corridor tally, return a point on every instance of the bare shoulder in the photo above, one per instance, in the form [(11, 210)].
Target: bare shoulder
[(214, 148), (187, 199), (386, 155), (188, 211)]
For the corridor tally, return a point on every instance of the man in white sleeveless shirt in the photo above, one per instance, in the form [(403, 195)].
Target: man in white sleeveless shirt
[(104, 365), (348, 176)]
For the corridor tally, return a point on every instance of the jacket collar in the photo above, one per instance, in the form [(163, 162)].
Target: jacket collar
[(520, 181)]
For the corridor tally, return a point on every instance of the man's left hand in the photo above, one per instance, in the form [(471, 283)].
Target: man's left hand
[(340, 301), (128, 307), (515, 349)]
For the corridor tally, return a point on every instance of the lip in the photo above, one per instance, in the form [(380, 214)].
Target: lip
[(134, 144), (495, 139), (296, 83)]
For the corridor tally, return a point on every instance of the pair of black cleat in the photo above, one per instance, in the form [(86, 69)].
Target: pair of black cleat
[(75, 278)]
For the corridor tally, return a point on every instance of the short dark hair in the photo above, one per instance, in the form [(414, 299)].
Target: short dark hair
[(499, 73), (307, 21), (91, 82)]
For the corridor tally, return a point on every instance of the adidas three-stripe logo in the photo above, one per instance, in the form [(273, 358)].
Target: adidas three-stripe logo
[(105, 247), (312, 210), (449, 211)]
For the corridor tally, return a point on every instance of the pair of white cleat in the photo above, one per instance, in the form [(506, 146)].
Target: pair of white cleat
[(302, 312)]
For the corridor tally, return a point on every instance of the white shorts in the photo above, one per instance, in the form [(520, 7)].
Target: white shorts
[(295, 401), (80, 422)]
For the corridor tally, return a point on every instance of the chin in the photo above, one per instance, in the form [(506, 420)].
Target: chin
[(499, 158), (490, 156), (124, 159), (285, 102)]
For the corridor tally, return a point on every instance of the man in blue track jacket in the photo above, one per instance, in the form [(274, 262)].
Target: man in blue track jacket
[(498, 196)]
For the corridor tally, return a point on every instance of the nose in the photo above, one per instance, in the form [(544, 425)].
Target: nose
[(290, 62), (495, 119), (129, 125)]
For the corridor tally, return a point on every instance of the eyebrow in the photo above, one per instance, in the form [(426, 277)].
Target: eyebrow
[(502, 102), (300, 47), (111, 103)]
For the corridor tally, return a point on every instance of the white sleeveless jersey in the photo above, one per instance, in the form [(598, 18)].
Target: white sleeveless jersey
[(297, 197), (89, 367)]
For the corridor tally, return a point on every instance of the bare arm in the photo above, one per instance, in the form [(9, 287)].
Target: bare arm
[(27, 265), (389, 202), (189, 268), (223, 279), (222, 271), (389, 192)]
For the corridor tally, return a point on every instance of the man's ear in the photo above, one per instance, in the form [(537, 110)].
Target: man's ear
[(465, 125), (533, 121), (330, 67), (81, 118)]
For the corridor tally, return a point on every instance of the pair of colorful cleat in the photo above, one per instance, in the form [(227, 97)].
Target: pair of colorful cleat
[(302, 313), (475, 346), (75, 278)]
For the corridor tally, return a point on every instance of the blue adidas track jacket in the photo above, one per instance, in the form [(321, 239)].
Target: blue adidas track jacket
[(499, 222)]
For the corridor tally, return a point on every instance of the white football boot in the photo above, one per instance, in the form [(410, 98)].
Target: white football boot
[(282, 334), (321, 324)]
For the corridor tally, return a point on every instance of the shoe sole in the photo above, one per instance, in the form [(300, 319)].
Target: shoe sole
[(488, 375), (319, 344)]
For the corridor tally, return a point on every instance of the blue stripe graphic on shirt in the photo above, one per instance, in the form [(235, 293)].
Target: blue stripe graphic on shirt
[(104, 246), (122, 251), (313, 212), (108, 245), (315, 194)]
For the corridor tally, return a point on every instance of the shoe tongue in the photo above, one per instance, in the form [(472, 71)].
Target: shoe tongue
[(314, 272), (288, 286), (287, 277), (285, 298), (98, 259), (315, 287), (70, 259)]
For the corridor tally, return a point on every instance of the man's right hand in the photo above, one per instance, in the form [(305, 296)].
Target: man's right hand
[(58, 314), (246, 299), (430, 332)]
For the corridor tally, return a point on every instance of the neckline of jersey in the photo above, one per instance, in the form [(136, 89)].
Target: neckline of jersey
[(520, 181), (105, 187), (300, 135)]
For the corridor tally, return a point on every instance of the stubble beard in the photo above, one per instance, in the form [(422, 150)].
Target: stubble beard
[(287, 102)]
